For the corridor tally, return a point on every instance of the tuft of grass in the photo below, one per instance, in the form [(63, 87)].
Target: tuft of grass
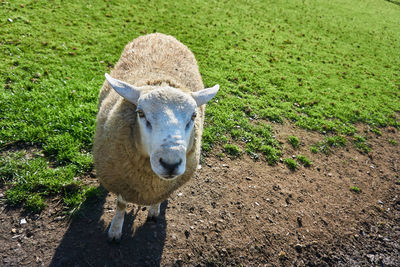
[(314, 149), (220, 155), (355, 189), (393, 142), (271, 154), (304, 160), (294, 141), (291, 163), (376, 131), (361, 143), (35, 203), (329, 142), (232, 150), (336, 141)]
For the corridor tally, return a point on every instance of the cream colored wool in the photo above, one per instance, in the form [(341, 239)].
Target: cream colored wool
[(150, 61)]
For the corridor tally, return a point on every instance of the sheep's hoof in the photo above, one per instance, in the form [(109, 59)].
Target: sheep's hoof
[(114, 237)]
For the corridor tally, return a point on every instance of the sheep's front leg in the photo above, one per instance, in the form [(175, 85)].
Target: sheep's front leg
[(154, 211), (115, 231)]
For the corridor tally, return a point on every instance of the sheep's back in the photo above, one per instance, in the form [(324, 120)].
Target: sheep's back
[(155, 59)]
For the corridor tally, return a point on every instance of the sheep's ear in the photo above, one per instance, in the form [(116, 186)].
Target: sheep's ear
[(126, 90), (203, 96)]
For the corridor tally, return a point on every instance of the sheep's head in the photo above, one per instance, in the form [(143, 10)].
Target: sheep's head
[(166, 118)]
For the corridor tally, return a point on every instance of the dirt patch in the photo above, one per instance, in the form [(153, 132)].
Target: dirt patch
[(236, 212)]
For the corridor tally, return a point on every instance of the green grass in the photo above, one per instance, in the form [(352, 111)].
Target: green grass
[(355, 189), (322, 65), (361, 144), (232, 150), (304, 160), (294, 141), (291, 163), (377, 131), (393, 142), (330, 142)]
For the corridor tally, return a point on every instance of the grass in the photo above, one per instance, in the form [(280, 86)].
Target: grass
[(355, 189), (294, 141), (330, 142), (304, 160), (361, 144), (232, 150), (291, 163), (323, 66), (393, 142)]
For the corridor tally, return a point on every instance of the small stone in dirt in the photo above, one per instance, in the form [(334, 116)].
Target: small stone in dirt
[(299, 222), (330, 174), (282, 255), (22, 221), (187, 233), (371, 257), (380, 202), (225, 165), (180, 194), (298, 248), (14, 231), (248, 178), (199, 167)]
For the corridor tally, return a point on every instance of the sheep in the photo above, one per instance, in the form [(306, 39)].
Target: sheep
[(149, 124)]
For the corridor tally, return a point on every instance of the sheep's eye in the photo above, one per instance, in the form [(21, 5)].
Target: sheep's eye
[(140, 113), (194, 116), (148, 124)]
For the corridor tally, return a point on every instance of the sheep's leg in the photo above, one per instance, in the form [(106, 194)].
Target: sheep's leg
[(154, 211), (117, 222)]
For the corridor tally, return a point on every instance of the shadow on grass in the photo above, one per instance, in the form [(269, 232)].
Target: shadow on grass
[(394, 2), (85, 242)]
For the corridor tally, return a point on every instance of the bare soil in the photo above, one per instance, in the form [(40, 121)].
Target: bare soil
[(235, 212)]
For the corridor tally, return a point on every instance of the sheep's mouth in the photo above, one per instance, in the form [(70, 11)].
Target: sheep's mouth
[(168, 177)]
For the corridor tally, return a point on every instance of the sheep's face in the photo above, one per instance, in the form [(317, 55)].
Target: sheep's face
[(166, 118), (166, 121)]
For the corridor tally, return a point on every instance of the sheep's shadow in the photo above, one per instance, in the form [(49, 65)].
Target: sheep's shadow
[(85, 242)]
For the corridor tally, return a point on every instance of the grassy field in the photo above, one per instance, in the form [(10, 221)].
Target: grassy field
[(323, 65)]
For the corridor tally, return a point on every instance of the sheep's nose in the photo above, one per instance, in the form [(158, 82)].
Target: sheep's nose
[(170, 167)]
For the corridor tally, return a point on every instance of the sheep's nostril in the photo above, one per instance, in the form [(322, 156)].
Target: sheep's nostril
[(170, 167)]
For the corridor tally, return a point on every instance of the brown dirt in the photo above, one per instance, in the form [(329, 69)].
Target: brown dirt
[(236, 212)]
